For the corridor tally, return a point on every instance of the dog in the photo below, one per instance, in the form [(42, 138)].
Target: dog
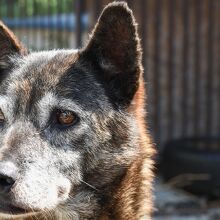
[(73, 138)]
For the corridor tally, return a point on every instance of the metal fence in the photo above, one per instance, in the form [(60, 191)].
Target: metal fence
[(180, 40)]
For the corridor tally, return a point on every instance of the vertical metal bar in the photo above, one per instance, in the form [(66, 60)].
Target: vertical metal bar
[(130, 3), (210, 75), (185, 6), (66, 35), (143, 31), (156, 77), (35, 13), (59, 30), (62, 31), (97, 8), (6, 8), (171, 75), (217, 6), (50, 29), (197, 67), (79, 10), (28, 28), (10, 8), (16, 16), (31, 35), (47, 31), (2, 9)]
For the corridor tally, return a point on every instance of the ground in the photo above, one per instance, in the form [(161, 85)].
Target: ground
[(172, 204)]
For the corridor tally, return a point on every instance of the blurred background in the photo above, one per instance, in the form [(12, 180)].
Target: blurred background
[(181, 48)]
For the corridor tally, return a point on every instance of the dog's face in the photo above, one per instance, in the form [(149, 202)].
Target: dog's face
[(65, 129)]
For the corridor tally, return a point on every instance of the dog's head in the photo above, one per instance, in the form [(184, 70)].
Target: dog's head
[(66, 125)]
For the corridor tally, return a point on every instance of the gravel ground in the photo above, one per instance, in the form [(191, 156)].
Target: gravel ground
[(172, 204)]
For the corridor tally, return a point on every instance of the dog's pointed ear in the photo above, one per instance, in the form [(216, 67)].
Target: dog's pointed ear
[(9, 46), (115, 48)]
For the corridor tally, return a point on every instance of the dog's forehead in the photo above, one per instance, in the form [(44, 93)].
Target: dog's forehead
[(37, 74), (47, 65), (39, 71)]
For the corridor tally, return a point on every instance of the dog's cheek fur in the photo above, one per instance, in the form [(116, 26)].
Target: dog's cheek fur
[(113, 138)]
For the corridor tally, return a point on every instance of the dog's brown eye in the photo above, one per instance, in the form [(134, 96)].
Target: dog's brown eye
[(66, 118), (2, 117)]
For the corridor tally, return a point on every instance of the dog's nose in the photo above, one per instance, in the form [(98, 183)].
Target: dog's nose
[(8, 173), (6, 183)]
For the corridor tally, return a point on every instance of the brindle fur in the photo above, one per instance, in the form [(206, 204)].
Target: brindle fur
[(100, 168)]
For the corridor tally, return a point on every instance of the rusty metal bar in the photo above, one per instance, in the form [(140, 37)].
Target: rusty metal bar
[(156, 75), (185, 16), (97, 8), (171, 70), (217, 6), (210, 73), (143, 32), (197, 67), (130, 3)]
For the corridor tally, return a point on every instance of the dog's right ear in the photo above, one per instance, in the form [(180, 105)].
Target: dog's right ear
[(9, 46)]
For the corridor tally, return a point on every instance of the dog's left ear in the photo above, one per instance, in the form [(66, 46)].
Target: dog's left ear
[(9, 45), (115, 49)]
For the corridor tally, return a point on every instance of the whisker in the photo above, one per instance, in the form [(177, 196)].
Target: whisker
[(93, 187)]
